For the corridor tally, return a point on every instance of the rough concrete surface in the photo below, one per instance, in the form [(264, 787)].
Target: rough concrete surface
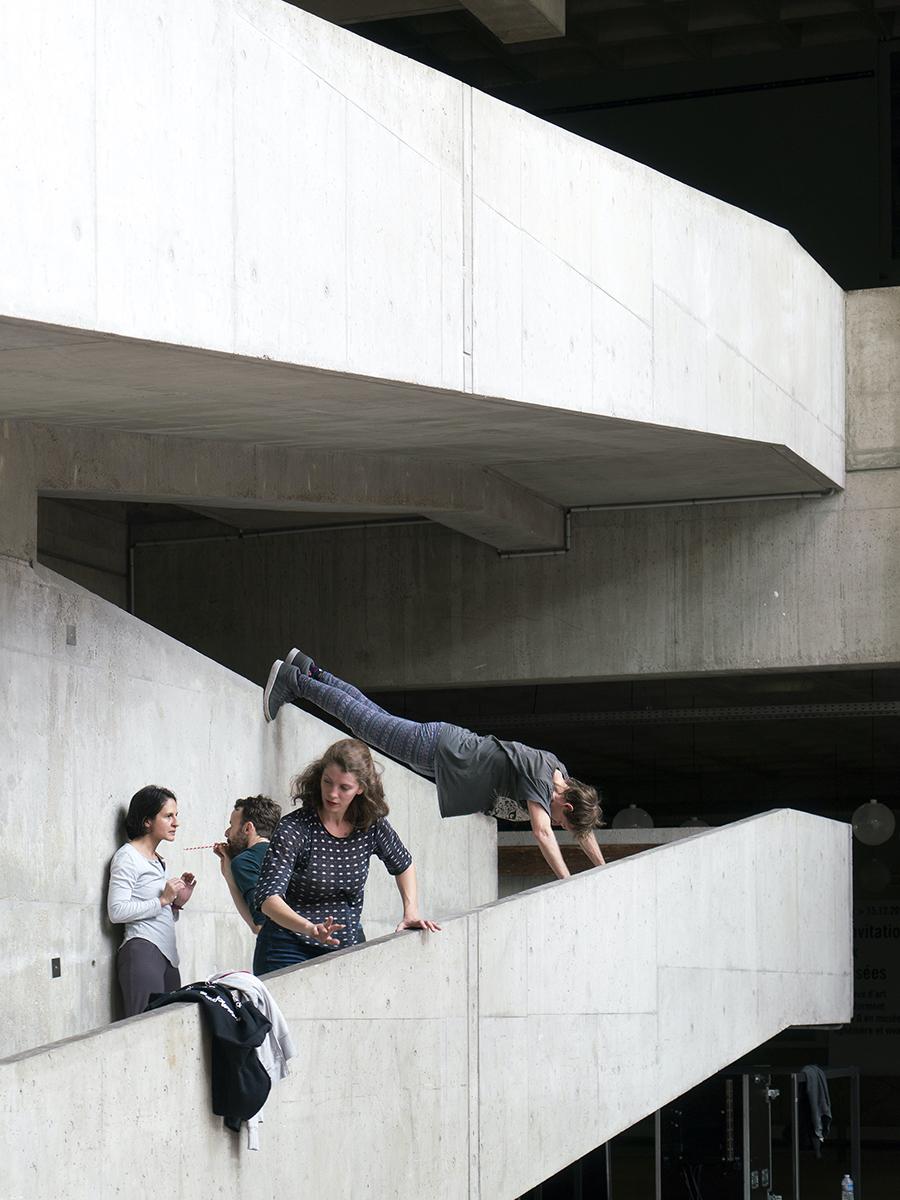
[(351, 213), (106, 465), (873, 379), (85, 725), (477, 1062), (18, 493), (784, 585)]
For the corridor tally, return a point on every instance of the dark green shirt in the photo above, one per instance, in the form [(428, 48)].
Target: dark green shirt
[(246, 867)]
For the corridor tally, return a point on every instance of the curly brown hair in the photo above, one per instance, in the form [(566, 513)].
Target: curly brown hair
[(262, 811), (586, 811), (354, 757)]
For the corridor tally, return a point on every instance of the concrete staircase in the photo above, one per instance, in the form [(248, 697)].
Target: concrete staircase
[(477, 1062)]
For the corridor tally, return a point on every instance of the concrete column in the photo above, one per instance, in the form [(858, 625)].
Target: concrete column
[(18, 491), (873, 379)]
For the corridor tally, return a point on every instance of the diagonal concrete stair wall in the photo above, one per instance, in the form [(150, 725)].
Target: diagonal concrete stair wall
[(96, 704), (473, 1063)]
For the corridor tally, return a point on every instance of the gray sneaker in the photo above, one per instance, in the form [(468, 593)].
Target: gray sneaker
[(278, 689), (296, 658)]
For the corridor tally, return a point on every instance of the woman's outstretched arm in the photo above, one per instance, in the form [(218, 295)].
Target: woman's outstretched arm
[(409, 893)]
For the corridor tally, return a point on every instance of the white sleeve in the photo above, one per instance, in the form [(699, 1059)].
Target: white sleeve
[(120, 903)]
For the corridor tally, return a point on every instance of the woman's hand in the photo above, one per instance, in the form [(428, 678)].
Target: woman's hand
[(418, 923), (190, 882), (173, 888), (324, 931), (406, 884)]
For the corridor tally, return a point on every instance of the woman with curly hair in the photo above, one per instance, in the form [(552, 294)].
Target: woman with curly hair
[(472, 773), (314, 874)]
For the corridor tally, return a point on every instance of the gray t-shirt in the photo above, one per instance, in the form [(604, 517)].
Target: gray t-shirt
[(472, 771)]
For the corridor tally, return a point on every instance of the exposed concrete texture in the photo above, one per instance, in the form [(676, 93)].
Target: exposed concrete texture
[(369, 236), (743, 587), (570, 457), (479, 1061), (510, 20), (873, 379), (18, 491), (521, 20), (87, 545), (349, 12), (96, 705), (126, 466)]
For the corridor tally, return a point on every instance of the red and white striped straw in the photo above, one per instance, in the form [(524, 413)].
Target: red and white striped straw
[(205, 846)]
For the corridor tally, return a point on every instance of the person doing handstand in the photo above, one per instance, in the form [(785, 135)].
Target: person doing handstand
[(472, 773)]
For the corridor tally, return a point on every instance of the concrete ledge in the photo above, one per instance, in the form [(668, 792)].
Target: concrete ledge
[(568, 1013), (355, 214)]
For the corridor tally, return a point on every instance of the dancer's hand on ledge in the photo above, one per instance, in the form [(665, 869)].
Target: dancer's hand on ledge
[(324, 932), (418, 923)]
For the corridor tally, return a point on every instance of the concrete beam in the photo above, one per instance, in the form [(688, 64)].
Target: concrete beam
[(89, 463), (351, 12), (509, 20), (521, 20), (18, 492)]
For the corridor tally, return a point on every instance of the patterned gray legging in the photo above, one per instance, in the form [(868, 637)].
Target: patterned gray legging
[(408, 741)]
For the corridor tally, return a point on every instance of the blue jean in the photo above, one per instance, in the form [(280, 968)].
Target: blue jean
[(408, 741), (277, 947)]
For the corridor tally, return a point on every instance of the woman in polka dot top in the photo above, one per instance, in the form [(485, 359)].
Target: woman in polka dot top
[(314, 874)]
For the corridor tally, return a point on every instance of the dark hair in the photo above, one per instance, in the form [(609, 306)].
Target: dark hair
[(352, 756), (144, 806), (263, 812), (586, 811)]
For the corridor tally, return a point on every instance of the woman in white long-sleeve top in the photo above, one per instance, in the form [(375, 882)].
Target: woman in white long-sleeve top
[(147, 903)]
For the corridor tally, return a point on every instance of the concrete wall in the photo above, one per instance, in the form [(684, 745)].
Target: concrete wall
[(730, 587), (873, 380), (479, 1061), (782, 585), (87, 544), (344, 208), (95, 706)]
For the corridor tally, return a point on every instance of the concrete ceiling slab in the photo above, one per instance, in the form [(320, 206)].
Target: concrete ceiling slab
[(65, 377)]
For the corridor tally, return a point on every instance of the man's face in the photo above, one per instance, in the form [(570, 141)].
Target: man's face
[(559, 812), (236, 835)]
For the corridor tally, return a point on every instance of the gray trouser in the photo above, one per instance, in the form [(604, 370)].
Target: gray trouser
[(143, 969)]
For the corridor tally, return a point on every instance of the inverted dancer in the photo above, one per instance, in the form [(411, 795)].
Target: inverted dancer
[(472, 773)]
